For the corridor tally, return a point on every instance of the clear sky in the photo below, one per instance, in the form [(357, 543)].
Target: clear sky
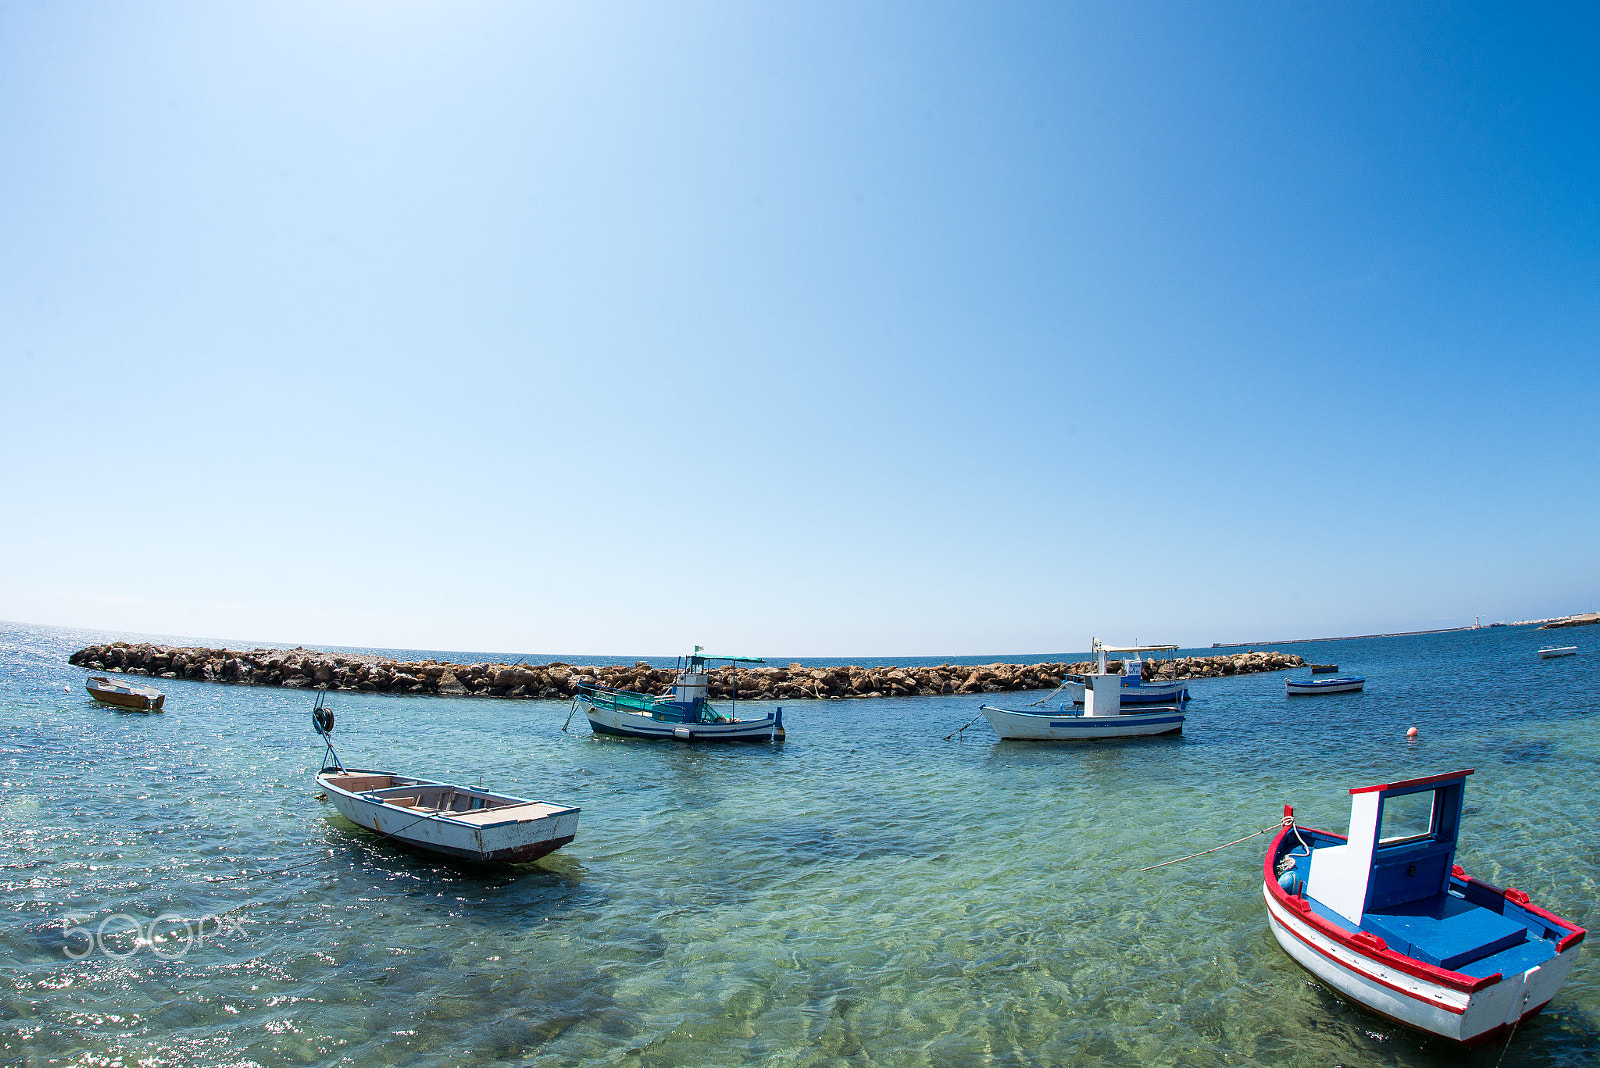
[(805, 329)]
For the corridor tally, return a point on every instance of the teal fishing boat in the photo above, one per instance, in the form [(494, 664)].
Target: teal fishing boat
[(684, 713)]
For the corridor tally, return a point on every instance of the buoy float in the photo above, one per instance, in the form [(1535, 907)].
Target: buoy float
[(1412, 733)]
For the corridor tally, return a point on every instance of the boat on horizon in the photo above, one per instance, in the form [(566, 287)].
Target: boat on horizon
[(465, 822), (125, 695), (684, 712), (1558, 650), (1136, 690), (1385, 916), (1338, 684)]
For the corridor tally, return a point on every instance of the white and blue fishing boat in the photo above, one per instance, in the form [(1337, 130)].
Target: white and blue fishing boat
[(1101, 716), (1558, 650), (684, 713), (1136, 690), (1338, 684), (1386, 917)]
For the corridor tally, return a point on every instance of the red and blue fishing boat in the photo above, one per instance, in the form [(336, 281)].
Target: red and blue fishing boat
[(1387, 917)]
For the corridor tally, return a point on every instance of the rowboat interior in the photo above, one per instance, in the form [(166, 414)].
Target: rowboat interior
[(427, 798)]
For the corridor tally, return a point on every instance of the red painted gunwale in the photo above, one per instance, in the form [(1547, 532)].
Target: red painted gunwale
[(1404, 783)]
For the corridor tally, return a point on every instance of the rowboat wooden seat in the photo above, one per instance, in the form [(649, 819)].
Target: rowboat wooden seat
[(531, 810)]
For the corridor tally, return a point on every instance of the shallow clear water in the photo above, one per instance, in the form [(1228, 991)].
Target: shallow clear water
[(866, 893)]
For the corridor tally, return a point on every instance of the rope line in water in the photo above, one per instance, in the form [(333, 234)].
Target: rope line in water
[(1288, 821)]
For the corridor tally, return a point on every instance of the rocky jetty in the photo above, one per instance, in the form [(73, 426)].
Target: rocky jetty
[(309, 669), (1588, 619)]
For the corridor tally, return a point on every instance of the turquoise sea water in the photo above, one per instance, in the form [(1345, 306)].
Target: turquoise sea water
[(866, 893)]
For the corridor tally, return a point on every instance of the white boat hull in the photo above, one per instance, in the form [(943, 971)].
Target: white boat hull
[(1565, 650), (1064, 726), (522, 831), (1298, 688), (621, 724), (1446, 1011)]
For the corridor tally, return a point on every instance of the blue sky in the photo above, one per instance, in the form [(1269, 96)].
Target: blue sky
[(809, 329)]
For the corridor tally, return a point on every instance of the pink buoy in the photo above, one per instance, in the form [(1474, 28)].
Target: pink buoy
[(1412, 733)]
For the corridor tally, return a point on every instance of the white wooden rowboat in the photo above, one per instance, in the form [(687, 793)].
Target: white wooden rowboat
[(458, 821), (125, 695), (1559, 650), (1341, 684)]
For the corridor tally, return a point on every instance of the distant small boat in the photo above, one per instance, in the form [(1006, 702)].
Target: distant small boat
[(1559, 650), (1387, 918), (1324, 669), (441, 817), (1341, 684), (125, 694)]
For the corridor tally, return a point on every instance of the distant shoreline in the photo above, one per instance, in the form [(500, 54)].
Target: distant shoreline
[(1358, 637), (1573, 620)]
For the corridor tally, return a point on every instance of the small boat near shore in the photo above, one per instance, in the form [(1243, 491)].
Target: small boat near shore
[(1558, 650), (1102, 716), (1136, 690), (1324, 669), (684, 713), (125, 695), (1339, 684), (441, 817), (1386, 917)]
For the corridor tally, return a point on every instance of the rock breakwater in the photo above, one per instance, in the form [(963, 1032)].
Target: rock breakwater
[(365, 673)]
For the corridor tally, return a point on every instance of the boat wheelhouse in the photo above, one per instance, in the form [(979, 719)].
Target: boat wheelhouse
[(1385, 916), (1136, 690), (684, 713)]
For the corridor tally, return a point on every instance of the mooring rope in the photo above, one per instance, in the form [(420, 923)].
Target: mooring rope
[(964, 726), (1514, 1026), (1287, 821)]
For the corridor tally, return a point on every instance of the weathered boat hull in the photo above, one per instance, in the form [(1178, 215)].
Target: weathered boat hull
[(126, 695), (1462, 1008), (621, 724), (1146, 693), (526, 831), (1064, 726), (1302, 687)]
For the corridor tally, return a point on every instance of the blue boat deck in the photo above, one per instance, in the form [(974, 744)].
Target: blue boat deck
[(1468, 929)]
